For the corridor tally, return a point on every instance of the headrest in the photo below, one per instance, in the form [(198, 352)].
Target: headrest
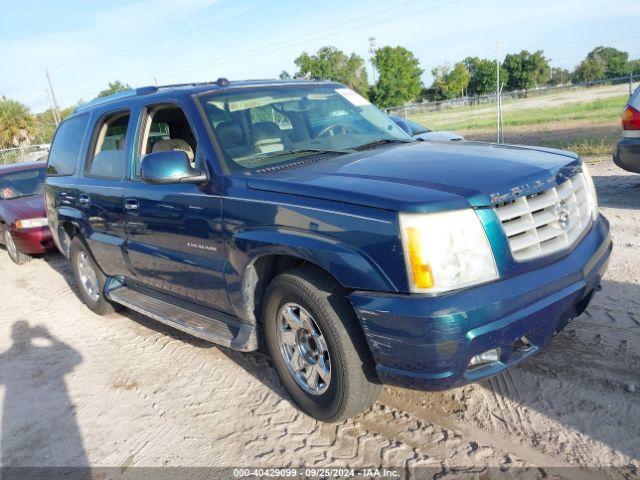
[(229, 133), (173, 144), (266, 131), (121, 143)]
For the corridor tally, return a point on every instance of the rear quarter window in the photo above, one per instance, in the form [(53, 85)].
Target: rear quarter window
[(66, 146)]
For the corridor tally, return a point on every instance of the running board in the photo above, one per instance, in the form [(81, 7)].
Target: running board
[(222, 329)]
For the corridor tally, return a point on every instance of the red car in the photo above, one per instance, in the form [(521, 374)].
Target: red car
[(24, 229)]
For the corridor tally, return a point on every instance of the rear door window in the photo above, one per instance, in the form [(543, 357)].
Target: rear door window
[(109, 148), (66, 146)]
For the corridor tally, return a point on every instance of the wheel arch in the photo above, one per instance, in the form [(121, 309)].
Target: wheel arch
[(256, 257)]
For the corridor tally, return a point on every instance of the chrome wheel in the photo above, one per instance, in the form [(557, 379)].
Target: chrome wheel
[(10, 244), (88, 277), (304, 349)]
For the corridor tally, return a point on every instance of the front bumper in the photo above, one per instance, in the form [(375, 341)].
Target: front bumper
[(627, 154), (426, 342), (33, 240)]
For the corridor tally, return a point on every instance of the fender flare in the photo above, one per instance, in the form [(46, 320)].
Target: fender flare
[(352, 268)]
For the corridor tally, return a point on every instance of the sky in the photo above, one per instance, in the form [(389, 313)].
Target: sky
[(86, 44)]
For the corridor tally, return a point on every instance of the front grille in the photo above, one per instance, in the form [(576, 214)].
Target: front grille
[(546, 222)]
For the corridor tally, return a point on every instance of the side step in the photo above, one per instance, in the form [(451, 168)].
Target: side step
[(222, 329)]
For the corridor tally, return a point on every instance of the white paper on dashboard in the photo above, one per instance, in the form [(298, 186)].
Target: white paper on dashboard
[(353, 97)]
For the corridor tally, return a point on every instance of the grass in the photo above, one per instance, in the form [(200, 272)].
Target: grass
[(586, 126)]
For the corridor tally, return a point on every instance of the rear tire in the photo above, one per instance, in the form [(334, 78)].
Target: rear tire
[(332, 375), (89, 278), (14, 254)]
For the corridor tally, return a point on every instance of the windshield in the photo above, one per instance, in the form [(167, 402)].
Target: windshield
[(22, 183), (265, 126), (416, 128)]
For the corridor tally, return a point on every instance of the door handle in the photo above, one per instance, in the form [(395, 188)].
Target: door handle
[(131, 204), (84, 199)]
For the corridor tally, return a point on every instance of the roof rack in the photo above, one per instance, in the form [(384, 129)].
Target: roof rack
[(132, 92)]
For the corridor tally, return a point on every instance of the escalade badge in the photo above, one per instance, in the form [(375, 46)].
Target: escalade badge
[(562, 212)]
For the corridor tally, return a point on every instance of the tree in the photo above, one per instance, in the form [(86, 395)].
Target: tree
[(284, 75), (602, 63), (45, 124), (450, 82), (559, 76), (399, 75), (114, 87), (16, 124), (483, 75), (526, 70), (329, 63)]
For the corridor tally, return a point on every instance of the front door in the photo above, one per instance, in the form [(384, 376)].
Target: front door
[(174, 240)]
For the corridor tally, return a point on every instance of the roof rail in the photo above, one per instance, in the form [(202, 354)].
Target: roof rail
[(132, 92)]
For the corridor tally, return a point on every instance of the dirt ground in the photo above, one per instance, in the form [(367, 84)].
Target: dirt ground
[(123, 391)]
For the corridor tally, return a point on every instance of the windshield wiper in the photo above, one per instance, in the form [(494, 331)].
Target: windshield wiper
[(301, 151), (381, 141)]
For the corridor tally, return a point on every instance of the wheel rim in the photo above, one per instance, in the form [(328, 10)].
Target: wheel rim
[(304, 349), (88, 277), (11, 245)]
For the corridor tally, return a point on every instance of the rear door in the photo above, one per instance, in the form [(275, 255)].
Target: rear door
[(100, 190), (174, 240)]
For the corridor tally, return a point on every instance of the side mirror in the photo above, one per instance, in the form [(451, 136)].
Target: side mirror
[(173, 166)]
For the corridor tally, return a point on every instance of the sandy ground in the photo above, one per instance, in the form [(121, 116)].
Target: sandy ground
[(123, 391)]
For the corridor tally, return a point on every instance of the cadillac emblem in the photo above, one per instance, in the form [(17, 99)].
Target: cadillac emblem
[(563, 215)]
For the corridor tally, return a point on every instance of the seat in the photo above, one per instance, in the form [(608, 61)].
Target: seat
[(231, 138), (173, 144), (267, 137)]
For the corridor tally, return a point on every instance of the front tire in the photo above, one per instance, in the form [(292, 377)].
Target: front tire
[(317, 346), (89, 278), (14, 254)]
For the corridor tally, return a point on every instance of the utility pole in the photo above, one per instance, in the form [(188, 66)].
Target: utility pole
[(499, 94), (372, 52), (56, 120), (56, 108)]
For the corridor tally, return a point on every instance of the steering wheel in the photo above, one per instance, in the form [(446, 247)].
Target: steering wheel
[(332, 130)]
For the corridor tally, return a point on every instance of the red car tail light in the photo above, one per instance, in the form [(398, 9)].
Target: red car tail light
[(630, 119)]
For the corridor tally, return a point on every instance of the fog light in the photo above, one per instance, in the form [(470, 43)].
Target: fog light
[(490, 356)]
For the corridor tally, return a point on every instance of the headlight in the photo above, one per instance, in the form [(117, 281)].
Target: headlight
[(32, 223), (446, 251), (593, 196)]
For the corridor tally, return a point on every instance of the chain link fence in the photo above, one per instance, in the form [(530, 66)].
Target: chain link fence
[(406, 110), (31, 153)]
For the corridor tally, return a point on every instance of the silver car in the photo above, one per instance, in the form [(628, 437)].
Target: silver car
[(627, 154), (420, 132)]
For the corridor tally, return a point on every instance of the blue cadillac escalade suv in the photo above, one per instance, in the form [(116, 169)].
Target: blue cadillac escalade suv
[(297, 216)]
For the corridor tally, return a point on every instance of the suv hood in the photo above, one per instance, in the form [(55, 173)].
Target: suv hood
[(424, 177)]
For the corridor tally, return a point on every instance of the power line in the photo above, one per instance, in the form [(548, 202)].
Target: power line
[(296, 40), (288, 42), (170, 37)]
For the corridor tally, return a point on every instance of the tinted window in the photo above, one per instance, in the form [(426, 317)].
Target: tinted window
[(108, 160), (22, 184), (66, 146)]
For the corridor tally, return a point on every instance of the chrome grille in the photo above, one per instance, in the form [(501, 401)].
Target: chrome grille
[(546, 222)]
